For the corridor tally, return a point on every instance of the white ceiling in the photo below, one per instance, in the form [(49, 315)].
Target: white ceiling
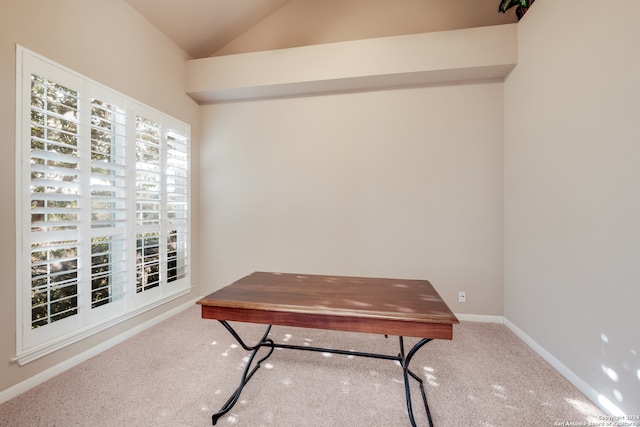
[(201, 27)]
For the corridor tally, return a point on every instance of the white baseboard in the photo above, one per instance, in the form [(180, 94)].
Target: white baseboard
[(29, 383), (599, 400), (480, 318)]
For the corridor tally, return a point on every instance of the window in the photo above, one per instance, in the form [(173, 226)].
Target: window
[(102, 207)]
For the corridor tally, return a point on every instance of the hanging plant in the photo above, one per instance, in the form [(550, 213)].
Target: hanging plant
[(521, 6)]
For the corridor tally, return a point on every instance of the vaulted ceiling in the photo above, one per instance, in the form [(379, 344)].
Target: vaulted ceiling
[(201, 27), (212, 27)]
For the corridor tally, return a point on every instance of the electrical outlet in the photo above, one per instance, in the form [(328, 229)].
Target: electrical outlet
[(462, 297)]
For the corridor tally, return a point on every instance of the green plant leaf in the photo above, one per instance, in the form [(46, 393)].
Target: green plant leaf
[(508, 4)]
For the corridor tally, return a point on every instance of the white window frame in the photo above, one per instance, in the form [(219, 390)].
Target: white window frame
[(33, 343)]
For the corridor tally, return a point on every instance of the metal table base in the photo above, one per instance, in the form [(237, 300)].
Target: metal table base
[(403, 358)]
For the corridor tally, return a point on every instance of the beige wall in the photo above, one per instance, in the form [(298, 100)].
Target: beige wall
[(572, 198), (392, 183), (311, 22), (110, 43)]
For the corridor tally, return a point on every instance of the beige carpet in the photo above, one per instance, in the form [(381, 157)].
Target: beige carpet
[(181, 371)]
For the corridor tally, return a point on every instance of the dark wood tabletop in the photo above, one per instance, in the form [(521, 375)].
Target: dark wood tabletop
[(358, 304)]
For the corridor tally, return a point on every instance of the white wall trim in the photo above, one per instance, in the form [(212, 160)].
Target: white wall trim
[(470, 54), (574, 379), (480, 318), (31, 382)]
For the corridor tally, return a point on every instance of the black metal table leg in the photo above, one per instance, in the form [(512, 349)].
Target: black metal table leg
[(246, 375), (405, 360)]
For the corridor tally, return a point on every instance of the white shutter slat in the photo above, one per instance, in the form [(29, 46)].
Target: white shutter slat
[(100, 200), (54, 196), (54, 224), (37, 153), (113, 193), (54, 184), (57, 170), (46, 210), (116, 167)]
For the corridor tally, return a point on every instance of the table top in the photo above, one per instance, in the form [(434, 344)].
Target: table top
[(358, 304)]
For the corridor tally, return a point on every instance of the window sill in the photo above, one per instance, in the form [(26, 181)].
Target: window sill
[(53, 346)]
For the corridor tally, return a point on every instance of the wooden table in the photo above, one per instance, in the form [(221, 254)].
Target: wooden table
[(356, 304)]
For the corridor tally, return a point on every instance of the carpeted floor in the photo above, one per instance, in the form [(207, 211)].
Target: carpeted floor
[(181, 371)]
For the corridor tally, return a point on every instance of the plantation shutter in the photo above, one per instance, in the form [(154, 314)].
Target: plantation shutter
[(177, 204), (103, 225), (108, 185), (55, 200), (148, 203)]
